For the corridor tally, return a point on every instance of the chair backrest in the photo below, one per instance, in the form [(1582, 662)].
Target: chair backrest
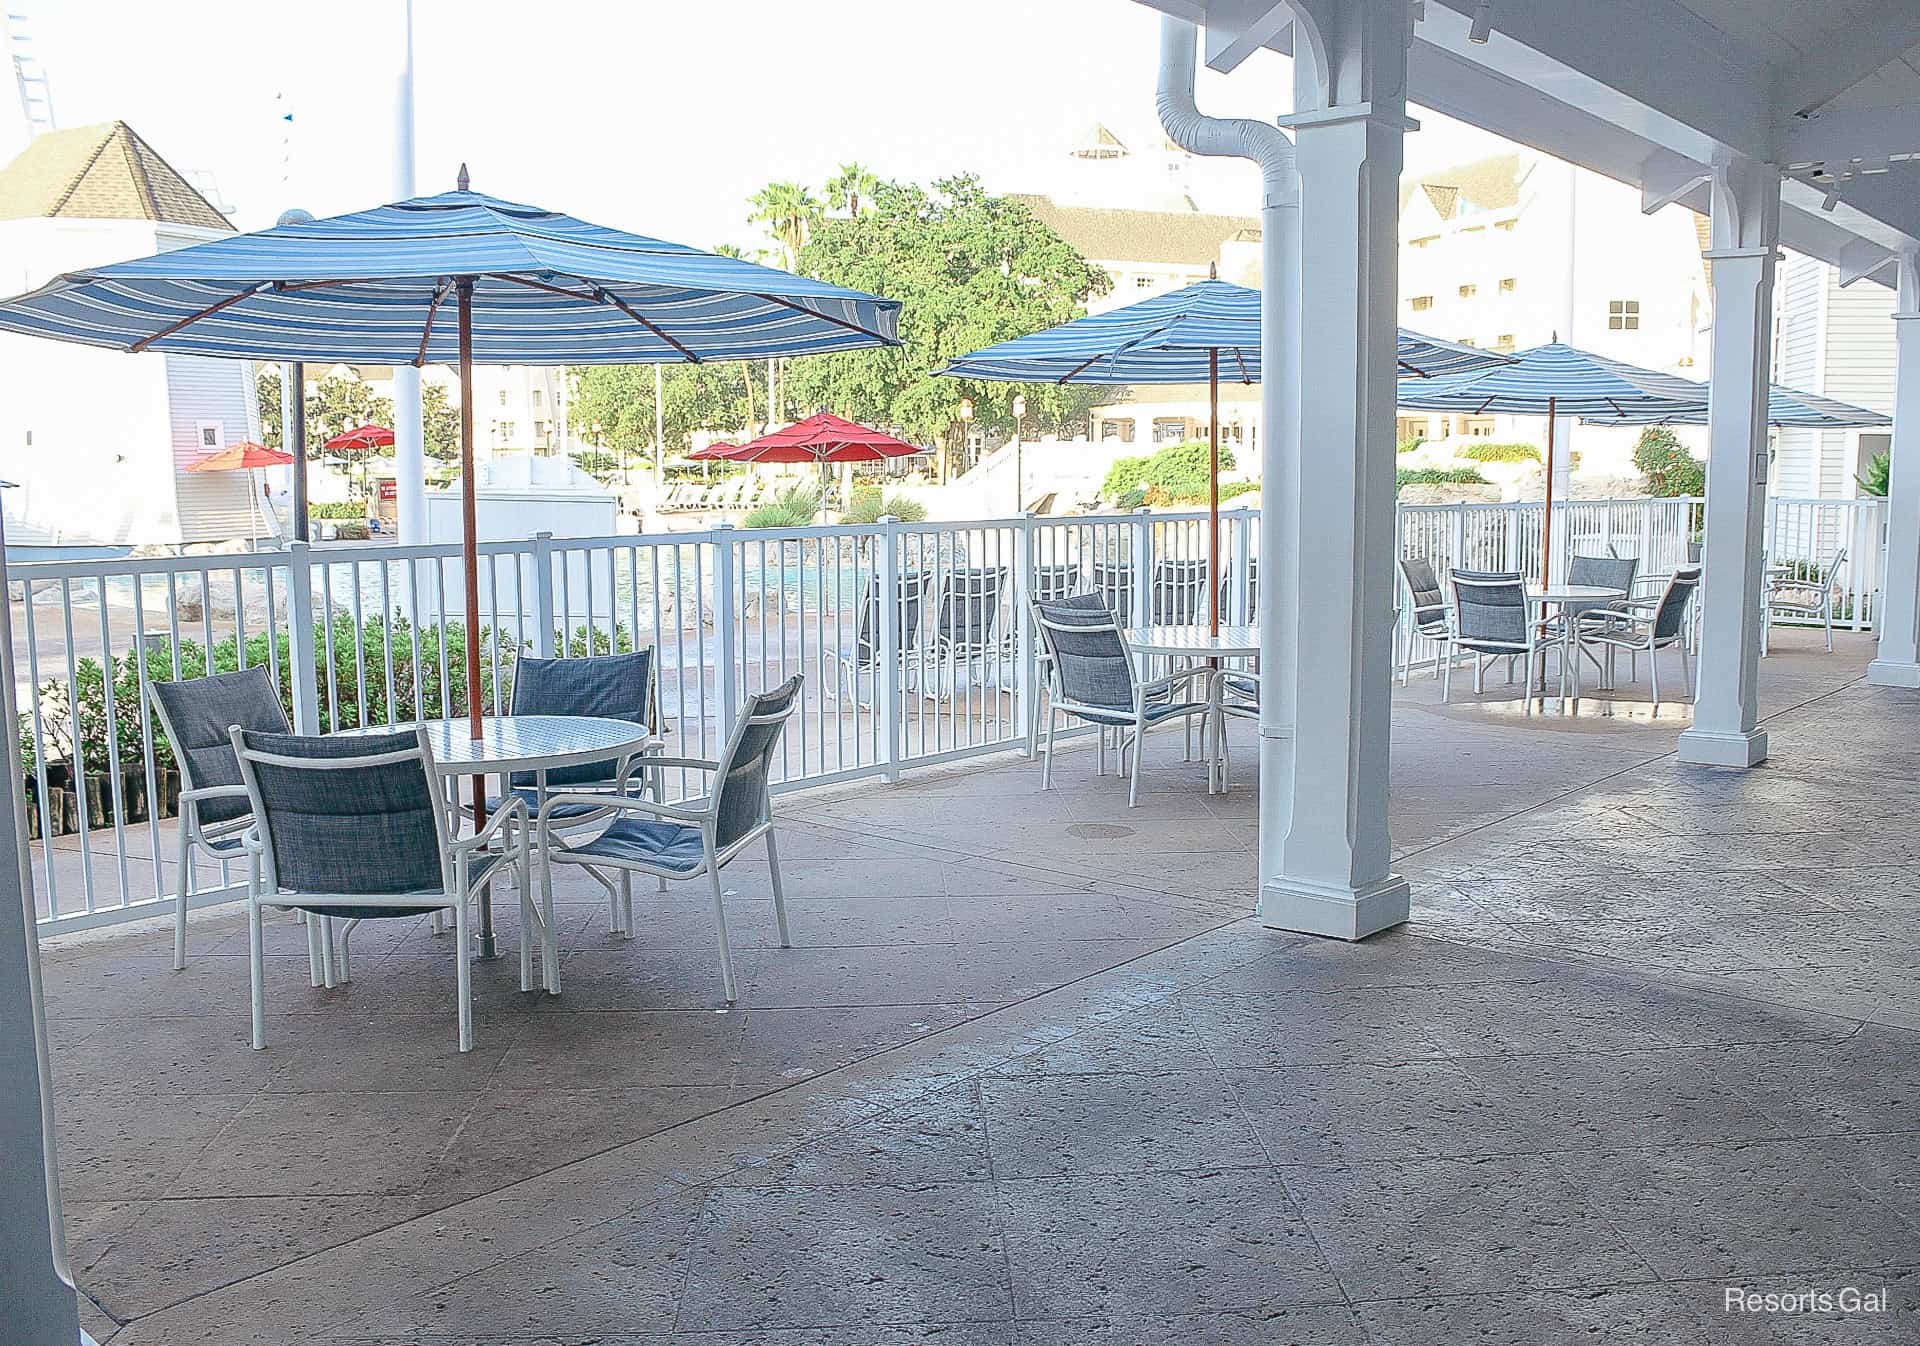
[(910, 599), (969, 607), (1179, 591), (609, 686), (1087, 660), (1670, 616), (741, 801), (1833, 570), (1227, 581), (1423, 587), (359, 813), (1606, 572), (1054, 582), (1113, 581), (195, 715), (1491, 609)]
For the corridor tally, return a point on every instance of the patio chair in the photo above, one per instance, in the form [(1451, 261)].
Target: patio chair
[(1491, 620), (358, 829), (966, 620), (1090, 676), (1043, 660), (1226, 596), (1606, 572), (1051, 583), (864, 658), (1644, 627), (1179, 592), (1113, 581), (691, 838), (1792, 591), (195, 715), (1430, 615)]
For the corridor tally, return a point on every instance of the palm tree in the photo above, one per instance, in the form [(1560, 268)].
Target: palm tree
[(846, 187), (788, 210)]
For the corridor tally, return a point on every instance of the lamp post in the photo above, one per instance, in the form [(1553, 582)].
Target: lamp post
[(1019, 444)]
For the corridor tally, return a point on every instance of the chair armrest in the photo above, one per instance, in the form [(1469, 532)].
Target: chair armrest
[(213, 792), (1172, 680), (508, 810), (689, 763)]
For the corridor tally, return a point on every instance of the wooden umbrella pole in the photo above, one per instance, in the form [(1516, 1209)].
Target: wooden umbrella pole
[(1546, 514), (1213, 489)]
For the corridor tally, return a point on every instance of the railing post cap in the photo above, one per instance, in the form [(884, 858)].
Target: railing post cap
[(888, 518), (724, 523), (1143, 509)]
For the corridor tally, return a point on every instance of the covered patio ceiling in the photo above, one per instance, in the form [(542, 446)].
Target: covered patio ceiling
[(1654, 92)]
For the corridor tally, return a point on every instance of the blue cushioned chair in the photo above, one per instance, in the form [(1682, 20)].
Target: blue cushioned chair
[(195, 715), (357, 828), (688, 839), (1090, 676)]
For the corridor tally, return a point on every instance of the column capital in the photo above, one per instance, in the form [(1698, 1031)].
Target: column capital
[(1345, 114)]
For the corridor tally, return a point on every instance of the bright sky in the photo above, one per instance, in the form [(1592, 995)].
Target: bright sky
[(656, 117)]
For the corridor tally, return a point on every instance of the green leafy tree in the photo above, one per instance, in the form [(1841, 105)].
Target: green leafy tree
[(788, 212), (619, 399), (970, 269), (340, 404), (439, 422), (847, 188), (1670, 470)]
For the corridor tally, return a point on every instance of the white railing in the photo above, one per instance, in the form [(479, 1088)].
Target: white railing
[(362, 635)]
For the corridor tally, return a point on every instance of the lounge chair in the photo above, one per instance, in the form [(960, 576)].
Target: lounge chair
[(864, 659), (965, 622), (1179, 592), (1429, 616)]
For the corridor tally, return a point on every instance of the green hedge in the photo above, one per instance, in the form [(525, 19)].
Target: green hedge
[(1439, 476), (1178, 471), (1501, 453), (337, 509)]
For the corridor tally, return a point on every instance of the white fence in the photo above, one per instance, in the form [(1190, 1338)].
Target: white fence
[(362, 635)]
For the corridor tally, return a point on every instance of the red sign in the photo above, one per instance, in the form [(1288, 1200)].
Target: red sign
[(389, 490)]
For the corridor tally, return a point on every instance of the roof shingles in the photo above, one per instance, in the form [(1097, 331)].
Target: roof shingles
[(101, 173)]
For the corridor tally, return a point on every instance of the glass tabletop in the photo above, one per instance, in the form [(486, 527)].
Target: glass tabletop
[(525, 742), (1195, 639)]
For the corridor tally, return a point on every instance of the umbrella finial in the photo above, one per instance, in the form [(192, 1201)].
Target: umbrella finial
[(463, 183), (1213, 271)]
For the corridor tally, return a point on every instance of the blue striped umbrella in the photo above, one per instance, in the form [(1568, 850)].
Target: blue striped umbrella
[(1785, 406), (1187, 336), (453, 279), (1553, 379)]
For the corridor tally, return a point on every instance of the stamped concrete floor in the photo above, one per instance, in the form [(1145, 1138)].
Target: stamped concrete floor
[(1031, 1075)]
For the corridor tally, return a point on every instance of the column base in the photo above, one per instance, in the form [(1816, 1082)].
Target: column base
[(1336, 912), (1893, 673), (1704, 747)]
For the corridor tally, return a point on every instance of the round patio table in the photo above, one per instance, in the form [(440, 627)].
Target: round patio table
[(1560, 595), (513, 743), (1197, 642)]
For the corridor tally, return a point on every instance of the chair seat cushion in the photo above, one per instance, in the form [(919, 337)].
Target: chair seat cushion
[(227, 845), (1156, 712), (649, 842), (530, 796), (478, 868)]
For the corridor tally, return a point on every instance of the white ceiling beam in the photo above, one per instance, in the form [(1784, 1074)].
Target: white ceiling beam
[(1838, 135), (1236, 29), (1860, 259), (1666, 177), (1845, 54)]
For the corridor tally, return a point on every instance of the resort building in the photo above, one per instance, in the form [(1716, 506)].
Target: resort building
[(1836, 341)]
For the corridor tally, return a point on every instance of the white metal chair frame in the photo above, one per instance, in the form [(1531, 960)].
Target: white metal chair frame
[(510, 823), (1434, 621), (1483, 650), (1778, 596), (702, 813), (1631, 625), (1145, 691)]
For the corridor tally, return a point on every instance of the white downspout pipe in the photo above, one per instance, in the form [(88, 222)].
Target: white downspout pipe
[(1278, 603)]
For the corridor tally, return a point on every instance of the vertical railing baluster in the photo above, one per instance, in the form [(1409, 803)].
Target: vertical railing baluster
[(300, 623)]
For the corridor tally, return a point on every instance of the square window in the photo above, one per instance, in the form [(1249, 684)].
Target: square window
[(1469, 291), (1623, 315), (503, 397), (1143, 282), (1508, 284), (1420, 303)]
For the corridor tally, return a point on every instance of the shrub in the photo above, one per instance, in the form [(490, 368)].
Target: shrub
[(1409, 445), (1229, 489), (1131, 499), (1879, 475), (1670, 470), (790, 507), (1501, 453), (868, 505), (337, 509), (1178, 470), (352, 530), (1438, 476)]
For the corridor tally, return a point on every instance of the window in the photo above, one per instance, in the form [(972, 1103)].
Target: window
[(209, 436), (1623, 315), (1466, 341), (1424, 241), (1171, 430), (1477, 427), (1420, 303), (1504, 342), (1143, 282), (1508, 284), (536, 397), (1469, 291), (503, 397), (507, 429)]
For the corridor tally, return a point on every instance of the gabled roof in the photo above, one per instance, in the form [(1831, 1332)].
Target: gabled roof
[(1177, 237), (1484, 184), (101, 173)]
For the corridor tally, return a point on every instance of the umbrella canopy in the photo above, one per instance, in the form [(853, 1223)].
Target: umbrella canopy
[(378, 287), (821, 438), (1166, 339), (1785, 406), (361, 437), (453, 278), (712, 451), (241, 457), (1552, 380)]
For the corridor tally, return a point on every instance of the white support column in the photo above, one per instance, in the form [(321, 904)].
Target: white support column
[(409, 437), (1335, 865), (1746, 238), (1898, 662)]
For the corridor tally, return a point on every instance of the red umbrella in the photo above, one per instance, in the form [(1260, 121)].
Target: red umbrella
[(362, 437), (823, 438), (714, 451), (239, 457)]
